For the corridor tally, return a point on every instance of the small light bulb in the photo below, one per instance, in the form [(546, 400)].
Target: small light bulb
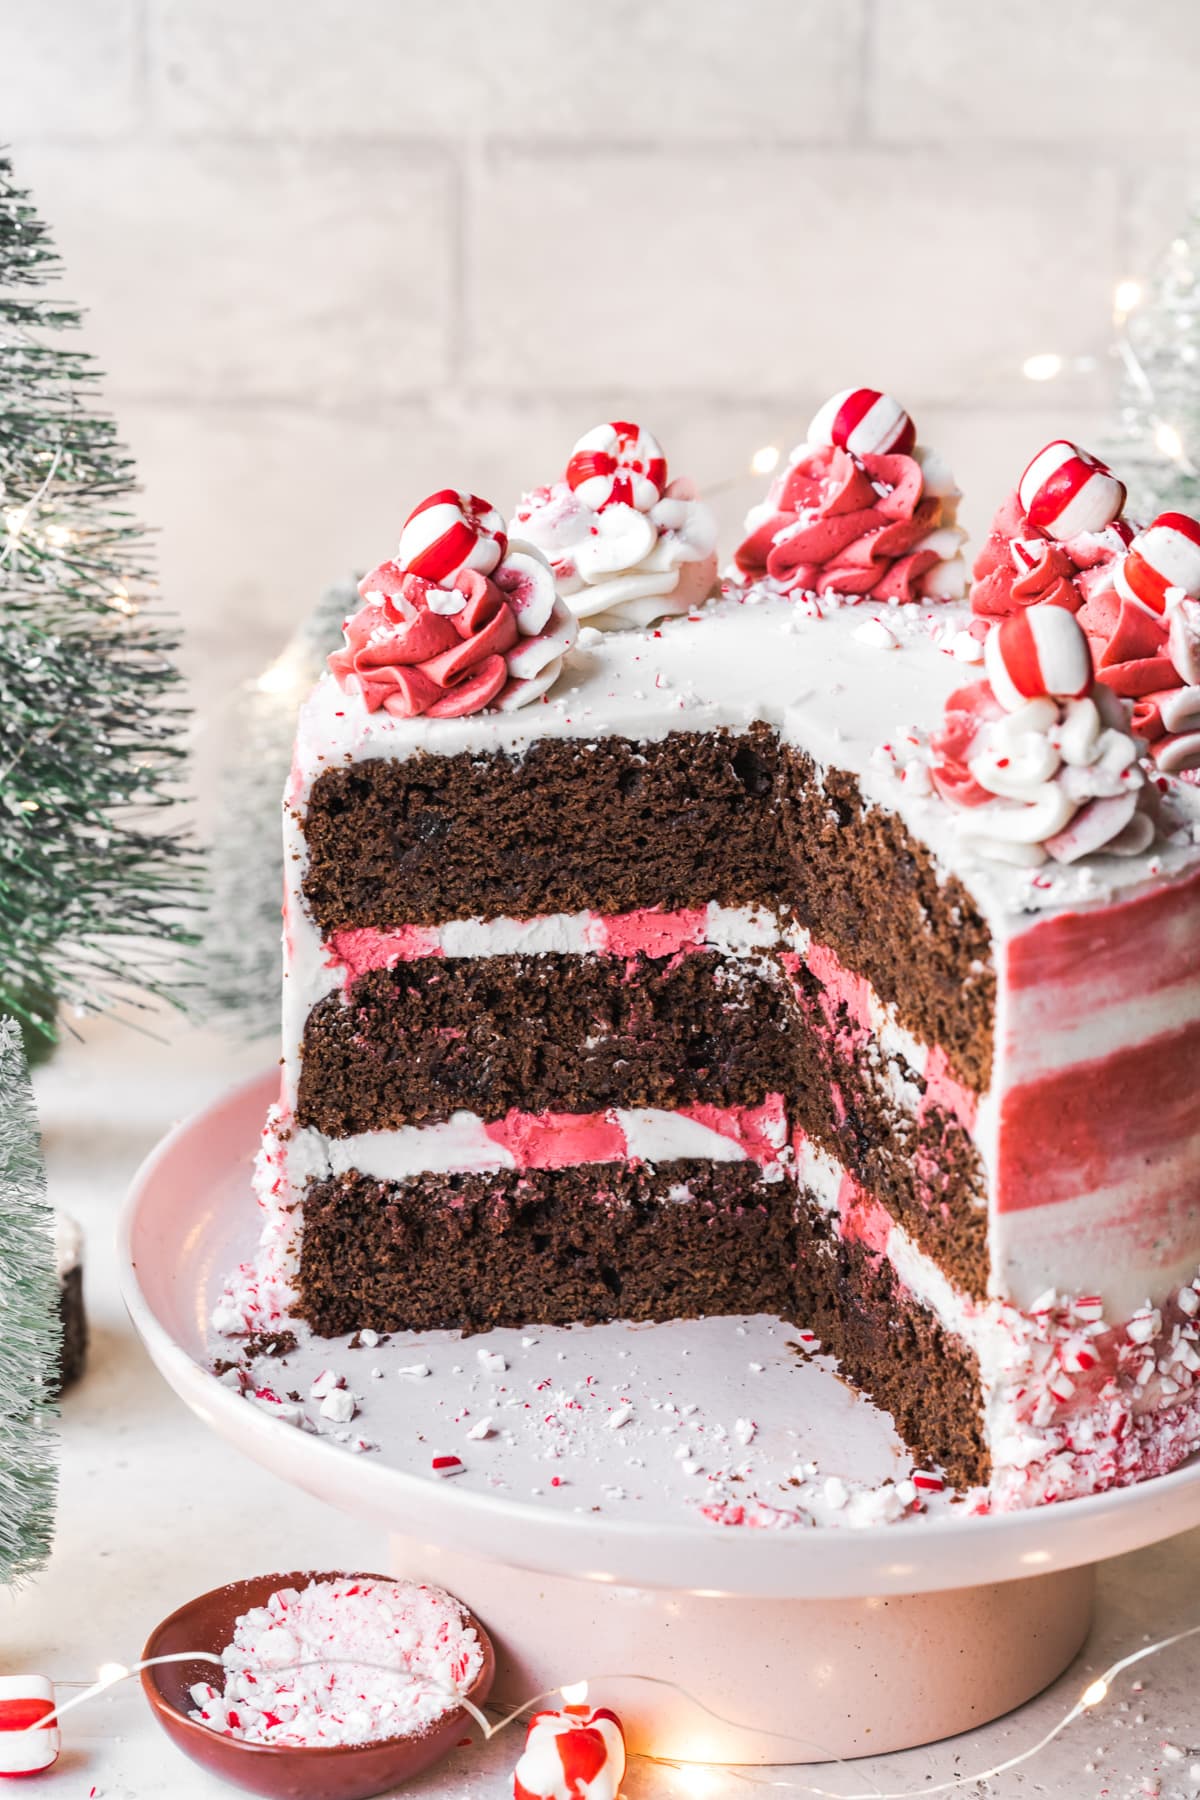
[(1042, 367), (277, 679), (1126, 295), (575, 1693), (696, 1780), (15, 519), (1093, 1695), (764, 460), (1168, 440), (111, 1672)]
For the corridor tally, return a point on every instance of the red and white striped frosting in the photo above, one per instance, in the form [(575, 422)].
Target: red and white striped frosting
[(1165, 555), (865, 422), (619, 462), (450, 532), (1066, 491)]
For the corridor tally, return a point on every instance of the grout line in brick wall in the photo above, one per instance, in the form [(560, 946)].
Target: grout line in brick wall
[(861, 130)]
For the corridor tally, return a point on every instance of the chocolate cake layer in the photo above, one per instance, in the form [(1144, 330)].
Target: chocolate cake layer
[(923, 1166), (612, 1242), (578, 1034), (550, 1033), (614, 826), (552, 1246), (892, 1348)]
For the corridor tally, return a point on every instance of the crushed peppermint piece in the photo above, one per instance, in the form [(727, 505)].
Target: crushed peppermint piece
[(384, 1659), (492, 1361), (448, 1465)]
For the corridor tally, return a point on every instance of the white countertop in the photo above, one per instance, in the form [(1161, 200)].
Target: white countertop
[(156, 1509)]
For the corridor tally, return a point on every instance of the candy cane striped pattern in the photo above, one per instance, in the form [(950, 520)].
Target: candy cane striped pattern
[(865, 422), (1039, 652), (450, 532), (1065, 491), (1165, 555), (618, 462)]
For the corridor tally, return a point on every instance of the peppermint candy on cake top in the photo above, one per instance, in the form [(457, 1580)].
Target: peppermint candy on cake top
[(1065, 490), (451, 531), (618, 463), (865, 422), (458, 622), (627, 547), (1038, 760)]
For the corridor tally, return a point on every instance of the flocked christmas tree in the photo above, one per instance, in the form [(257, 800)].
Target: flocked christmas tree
[(29, 1332), (92, 884), (1156, 445)]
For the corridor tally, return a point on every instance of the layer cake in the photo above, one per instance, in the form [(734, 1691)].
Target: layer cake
[(783, 945)]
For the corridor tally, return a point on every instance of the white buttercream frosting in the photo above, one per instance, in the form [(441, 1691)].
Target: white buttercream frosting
[(617, 566)]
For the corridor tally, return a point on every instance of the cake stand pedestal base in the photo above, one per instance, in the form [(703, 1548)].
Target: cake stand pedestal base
[(792, 1680)]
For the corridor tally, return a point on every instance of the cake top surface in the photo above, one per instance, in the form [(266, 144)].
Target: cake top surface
[(853, 686)]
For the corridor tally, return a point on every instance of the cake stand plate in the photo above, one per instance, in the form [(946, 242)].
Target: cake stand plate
[(576, 1531)]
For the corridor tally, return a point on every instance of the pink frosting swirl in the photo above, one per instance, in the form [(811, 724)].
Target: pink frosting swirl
[(1020, 566), (1132, 652), (836, 523), (969, 711), (416, 648)]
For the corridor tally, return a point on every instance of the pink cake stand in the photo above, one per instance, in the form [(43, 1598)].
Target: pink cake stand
[(768, 1646)]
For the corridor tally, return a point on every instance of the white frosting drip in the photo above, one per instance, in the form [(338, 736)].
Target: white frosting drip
[(618, 567)]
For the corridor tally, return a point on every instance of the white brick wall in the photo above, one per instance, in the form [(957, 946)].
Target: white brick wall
[(339, 251)]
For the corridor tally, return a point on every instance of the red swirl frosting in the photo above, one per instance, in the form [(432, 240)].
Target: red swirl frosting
[(969, 712), (1020, 565), (417, 648), (1133, 650), (837, 523)]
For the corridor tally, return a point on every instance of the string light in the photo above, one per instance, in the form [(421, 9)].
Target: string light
[(1042, 367), (122, 602), (765, 460), (1168, 440), (698, 1780), (279, 678), (1126, 295)]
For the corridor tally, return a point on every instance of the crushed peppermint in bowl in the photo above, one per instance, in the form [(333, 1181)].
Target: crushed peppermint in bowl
[(321, 1686)]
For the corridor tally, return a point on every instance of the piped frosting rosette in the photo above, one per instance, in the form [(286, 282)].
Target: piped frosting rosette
[(627, 546), (1061, 539), (862, 511), (461, 619), (1038, 760)]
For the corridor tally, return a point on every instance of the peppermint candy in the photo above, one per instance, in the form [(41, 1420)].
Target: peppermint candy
[(1165, 556), (1064, 491), (864, 422), (450, 532), (618, 462), (28, 1744), (1040, 652), (571, 1755)]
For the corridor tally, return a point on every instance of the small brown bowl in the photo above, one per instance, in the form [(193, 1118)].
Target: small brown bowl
[(326, 1772)]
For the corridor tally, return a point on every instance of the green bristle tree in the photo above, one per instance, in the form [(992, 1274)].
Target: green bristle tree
[(94, 885)]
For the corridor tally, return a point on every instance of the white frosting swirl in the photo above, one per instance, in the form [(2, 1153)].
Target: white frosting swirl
[(1066, 780), (620, 568)]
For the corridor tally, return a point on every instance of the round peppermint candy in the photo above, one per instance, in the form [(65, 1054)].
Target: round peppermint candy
[(1065, 491), (450, 532), (865, 422), (1038, 653), (618, 462), (1165, 555)]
